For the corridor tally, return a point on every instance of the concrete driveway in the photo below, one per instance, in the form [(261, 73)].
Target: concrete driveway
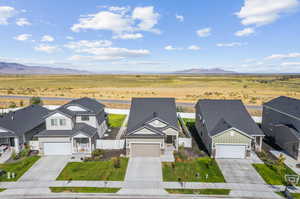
[(143, 176), (47, 168), (239, 171)]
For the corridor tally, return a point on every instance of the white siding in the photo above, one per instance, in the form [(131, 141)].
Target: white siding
[(170, 131), (101, 129), (68, 126), (92, 121)]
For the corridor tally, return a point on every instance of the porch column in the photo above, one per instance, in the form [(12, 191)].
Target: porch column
[(90, 142), (260, 143), (72, 143), (17, 146)]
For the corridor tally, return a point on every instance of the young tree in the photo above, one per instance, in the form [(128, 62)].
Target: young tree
[(12, 105), (36, 100)]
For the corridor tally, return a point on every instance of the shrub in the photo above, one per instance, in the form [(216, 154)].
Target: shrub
[(36, 100), (116, 162), (12, 105), (97, 154)]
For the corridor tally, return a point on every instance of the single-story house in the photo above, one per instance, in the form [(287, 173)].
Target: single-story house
[(226, 128), (17, 128), (281, 122), (73, 128), (152, 127)]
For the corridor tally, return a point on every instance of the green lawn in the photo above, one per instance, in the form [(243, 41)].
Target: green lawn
[(19, 168), (270, 174), (84, 189), (188, 170), (1, 189), (98, 170), (200, 191), (115, 120)]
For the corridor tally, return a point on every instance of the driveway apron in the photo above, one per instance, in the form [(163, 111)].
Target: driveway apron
[(239, 171), (143, 177)]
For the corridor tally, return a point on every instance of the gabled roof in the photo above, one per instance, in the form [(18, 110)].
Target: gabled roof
[(220, 115), (92, 106), (24, 119), (286, 105), (78, 128), (144, 110)]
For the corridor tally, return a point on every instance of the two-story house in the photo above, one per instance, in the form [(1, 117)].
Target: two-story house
[(281, 122), (73, 128)]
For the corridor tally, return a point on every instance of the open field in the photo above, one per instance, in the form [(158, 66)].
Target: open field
[(253, 90)]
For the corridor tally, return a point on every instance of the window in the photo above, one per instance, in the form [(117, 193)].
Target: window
[(85, 118), (62, 122), (54, 122)]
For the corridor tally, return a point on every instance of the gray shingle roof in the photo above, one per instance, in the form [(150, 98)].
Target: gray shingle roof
[(145, 109), (24, 120), (79, 127), (286, 105), (220, 115), (92, 105)]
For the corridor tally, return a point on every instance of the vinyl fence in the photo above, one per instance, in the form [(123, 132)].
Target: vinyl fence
[(110, 144), (186, 142), (34, 145)]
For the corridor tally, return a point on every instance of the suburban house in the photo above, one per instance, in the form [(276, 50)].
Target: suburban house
[(226, 128), (281, 122), (73, 128), (17, 128), (152, 127)]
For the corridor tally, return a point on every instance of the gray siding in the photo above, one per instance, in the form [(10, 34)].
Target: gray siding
[(232, 137)]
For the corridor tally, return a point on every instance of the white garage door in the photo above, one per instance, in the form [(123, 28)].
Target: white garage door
[(230, 151), (145, 150), (63, 148)]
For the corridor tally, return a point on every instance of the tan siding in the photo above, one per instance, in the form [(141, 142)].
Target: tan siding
[(141, 140), (232, 137)]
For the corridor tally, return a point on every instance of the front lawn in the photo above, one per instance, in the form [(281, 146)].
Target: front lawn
[(271, 175), (295, 195), (19, 167), (84, 189), (115, 120), (199, 191), (94, 170), (195, 170)]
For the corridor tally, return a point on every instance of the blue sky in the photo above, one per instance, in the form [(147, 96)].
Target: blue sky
[(152, 35)]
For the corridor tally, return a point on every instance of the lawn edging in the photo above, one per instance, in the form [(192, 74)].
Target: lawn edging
[(199, 191), (83, 190)]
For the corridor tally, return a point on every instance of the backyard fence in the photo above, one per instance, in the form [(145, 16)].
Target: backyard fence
[(34, 145), (185, 142), (110, 144)]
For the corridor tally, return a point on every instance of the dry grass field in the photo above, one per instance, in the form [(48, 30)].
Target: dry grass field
[(253, 90)]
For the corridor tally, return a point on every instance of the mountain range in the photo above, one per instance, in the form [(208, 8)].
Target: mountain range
[(20, 69), (205, 71)]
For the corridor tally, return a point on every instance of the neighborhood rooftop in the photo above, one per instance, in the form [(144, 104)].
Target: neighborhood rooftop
[(23, 120), (220, 115), (286, 105), (145, 109)]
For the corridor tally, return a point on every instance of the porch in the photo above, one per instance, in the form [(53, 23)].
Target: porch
[(82, 144)]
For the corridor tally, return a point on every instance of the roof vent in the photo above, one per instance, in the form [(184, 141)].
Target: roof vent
[(155, 114)]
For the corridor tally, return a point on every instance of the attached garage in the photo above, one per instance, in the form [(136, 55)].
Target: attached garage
[(62, 148), (145, 149), (230, 151)]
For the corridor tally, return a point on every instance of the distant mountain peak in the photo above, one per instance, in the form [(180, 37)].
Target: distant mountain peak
[(205, 71), (20, 69)]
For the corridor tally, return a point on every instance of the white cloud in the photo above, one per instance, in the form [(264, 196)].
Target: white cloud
[(128, 36), (170, 47), (245, 32), (205, 32), (119, 21), (283, 56), (233, 44), (23, 22), (148, 18), (194, 47), (110, 53), (262, 12), (6, 12), (69, 38), (22, 37), (290, 64), (83, 44), (46, 48), (47, 38), (180, 18)]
